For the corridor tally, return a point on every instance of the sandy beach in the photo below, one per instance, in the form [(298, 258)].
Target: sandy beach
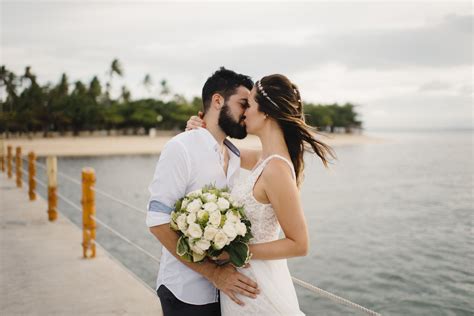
[(143, 145)]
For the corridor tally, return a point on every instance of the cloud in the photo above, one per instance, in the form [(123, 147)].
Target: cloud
[(435, 85), (383, 56)]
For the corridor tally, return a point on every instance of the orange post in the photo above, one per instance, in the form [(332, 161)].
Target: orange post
[(88, 210), (18, 164), (31, 176), (2, 154), (9, 161), (52, 170)]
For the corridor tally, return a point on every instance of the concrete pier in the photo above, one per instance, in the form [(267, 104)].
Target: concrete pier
[(42, 271)]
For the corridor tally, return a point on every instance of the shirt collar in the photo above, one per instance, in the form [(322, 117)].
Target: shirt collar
[(214, 145)]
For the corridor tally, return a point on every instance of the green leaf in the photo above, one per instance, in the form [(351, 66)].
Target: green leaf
[(197, 257), (177, 205), (211, 252), (239, 253), (182, 246), (174, 226), (223, 218), (187, 257)]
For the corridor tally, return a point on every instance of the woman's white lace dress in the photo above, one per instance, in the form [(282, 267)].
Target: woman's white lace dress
[(277, 292)]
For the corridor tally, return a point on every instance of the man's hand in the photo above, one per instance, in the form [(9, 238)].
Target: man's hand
[(227, 279)]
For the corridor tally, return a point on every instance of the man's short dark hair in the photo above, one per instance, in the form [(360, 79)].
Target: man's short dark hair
[(224, 82)]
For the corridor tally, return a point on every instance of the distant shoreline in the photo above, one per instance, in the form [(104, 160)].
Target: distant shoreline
[(143, 145)]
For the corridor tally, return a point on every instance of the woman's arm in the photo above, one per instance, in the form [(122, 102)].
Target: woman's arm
[(283, 194)]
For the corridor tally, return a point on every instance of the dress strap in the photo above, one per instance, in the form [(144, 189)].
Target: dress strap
[(262, 165)]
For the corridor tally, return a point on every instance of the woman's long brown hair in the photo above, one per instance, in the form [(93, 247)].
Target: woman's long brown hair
[(287, 110)]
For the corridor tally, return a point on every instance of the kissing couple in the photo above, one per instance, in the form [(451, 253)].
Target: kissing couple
[(234, 106)]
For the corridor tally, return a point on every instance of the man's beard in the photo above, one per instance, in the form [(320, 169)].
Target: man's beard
[(229, 125)]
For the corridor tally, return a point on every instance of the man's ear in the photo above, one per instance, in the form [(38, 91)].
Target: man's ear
[(217, 101)]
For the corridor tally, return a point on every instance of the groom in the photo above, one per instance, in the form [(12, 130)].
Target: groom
[(190, 161)]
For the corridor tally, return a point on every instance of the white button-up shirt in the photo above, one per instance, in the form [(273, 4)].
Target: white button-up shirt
[(188, 162)]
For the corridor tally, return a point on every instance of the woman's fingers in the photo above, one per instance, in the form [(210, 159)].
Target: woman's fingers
[(194, 122)]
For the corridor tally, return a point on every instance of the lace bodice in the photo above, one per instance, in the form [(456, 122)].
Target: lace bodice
[(265, 225)]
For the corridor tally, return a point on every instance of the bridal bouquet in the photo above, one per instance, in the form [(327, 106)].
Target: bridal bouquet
[(209, 222)]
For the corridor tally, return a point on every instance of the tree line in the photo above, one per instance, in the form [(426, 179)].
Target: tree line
[(27, 106)]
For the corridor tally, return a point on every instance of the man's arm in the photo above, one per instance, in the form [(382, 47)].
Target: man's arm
[(172, 175), (225, 278)]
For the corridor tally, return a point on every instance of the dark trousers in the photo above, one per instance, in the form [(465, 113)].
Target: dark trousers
[(174, 307)]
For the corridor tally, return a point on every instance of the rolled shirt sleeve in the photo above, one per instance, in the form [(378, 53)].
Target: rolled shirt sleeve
[(170, 180)]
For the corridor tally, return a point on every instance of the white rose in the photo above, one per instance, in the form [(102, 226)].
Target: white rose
[(225, 195), (210, 232), (195, 193), (194, 206), (209, 197), (203, 215), (210, 207), (223, 204), (241, 229), (191, 218), (203, 244), (220, 240), (184, 204), (215, 218), (230, 215), (181, 221), (229, 230), (194, 230), (197, 250)]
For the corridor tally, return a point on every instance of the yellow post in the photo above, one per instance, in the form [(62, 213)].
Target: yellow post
[(18, 164), (52, 170), (31, 176), (9, 161), (2, 154), (88, 210)]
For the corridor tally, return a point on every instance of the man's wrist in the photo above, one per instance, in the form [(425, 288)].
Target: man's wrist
[(210, 271)]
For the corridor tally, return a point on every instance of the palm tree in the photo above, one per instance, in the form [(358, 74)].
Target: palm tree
[(115, 68), (165, 89), (9, 81), (126, 95), (147, 82)]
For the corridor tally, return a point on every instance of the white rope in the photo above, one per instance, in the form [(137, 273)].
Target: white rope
[(118, 200), (40, 182), (101, 192), (77, 207), (125, 238), (68, 201), (333, 297)]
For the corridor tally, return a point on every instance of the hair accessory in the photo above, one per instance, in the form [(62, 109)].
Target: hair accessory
[(259, 86)]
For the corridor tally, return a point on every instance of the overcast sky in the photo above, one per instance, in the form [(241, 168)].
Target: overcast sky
[(405, 64)]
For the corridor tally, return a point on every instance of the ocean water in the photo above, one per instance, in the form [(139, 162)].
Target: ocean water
[(391, 224)]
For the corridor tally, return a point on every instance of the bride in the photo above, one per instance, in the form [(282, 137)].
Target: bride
[(271, 196)]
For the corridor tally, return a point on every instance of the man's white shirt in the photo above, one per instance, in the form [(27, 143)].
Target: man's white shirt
[(188, 162)]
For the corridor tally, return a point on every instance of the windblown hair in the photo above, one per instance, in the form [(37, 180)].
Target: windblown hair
[(280, 99)]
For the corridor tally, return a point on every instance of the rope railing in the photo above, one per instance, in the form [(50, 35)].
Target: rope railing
[(91, 187), (101, 192), (333, 297)]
